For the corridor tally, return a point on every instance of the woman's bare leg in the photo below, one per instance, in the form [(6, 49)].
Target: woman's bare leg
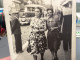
[(42, 54), (35, 57), (52, 53), (55, 56)]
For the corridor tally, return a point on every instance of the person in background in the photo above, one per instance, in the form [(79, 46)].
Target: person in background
[(67, 28), (15, 28)]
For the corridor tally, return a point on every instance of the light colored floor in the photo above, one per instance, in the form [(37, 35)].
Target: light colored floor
[(4, 48), (78, 48)]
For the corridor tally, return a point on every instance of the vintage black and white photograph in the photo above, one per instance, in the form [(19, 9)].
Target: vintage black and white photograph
[(41, 29)]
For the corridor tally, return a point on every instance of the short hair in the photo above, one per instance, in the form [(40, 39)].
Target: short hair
[(50, 9)]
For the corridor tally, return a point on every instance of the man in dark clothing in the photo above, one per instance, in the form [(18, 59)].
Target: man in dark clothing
[(15, 27), (67, 25), (67, 28)]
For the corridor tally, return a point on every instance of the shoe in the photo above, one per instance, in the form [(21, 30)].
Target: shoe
[(20, 51), (17, 52), (55, 58), (42, 59)]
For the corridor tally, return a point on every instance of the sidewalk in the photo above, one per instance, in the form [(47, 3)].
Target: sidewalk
[(47, 55)]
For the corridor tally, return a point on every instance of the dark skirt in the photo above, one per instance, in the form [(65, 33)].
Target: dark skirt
[(38, 42), (53, 40)]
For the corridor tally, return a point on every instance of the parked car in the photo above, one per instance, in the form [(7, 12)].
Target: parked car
[(24, 21)]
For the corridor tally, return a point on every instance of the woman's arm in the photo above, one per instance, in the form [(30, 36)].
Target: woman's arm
[(44, 27)]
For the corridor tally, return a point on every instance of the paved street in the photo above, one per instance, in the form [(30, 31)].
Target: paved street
[(47, 56)]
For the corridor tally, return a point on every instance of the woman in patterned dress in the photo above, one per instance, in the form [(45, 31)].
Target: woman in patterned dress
[(37, 37)]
